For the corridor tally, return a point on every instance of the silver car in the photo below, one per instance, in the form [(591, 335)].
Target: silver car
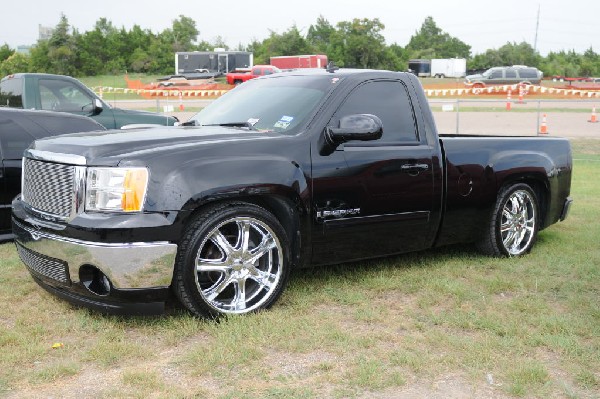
[(505, 75)]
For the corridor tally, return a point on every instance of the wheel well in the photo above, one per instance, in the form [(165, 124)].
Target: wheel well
[(541, 191), (283, 209)]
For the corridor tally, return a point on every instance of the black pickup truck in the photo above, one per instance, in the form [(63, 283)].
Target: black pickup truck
[(294, 169)]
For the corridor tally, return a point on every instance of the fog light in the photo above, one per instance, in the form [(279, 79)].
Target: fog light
[(94, 280)]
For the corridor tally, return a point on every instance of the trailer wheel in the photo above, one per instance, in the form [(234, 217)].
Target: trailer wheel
[(514, 223), (233, 259)]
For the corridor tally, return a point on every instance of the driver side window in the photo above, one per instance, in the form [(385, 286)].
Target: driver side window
[(390, 101), (56, 95)]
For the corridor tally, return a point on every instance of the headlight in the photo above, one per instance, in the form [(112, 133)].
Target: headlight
[(116, 189)]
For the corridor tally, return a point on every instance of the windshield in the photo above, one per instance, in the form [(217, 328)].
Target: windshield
[(279, 104)]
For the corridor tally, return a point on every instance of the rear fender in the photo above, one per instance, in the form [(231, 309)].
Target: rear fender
[(536, 169)]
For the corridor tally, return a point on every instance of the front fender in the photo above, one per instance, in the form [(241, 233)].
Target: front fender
[(198, 182)]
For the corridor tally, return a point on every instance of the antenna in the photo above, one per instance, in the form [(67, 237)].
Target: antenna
[(537, 25), (331, 67)]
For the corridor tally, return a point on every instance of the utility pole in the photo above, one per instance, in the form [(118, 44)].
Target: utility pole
[(537, 25)]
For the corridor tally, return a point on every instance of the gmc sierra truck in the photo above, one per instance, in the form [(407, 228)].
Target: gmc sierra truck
[(60, 93), (285, 171)]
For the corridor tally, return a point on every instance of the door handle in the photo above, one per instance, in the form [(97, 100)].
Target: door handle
[(414, 168)]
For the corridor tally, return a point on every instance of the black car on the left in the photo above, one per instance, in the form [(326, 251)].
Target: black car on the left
[(18, 129)]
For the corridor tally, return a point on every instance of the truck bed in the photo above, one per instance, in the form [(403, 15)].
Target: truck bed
[(477, 167)]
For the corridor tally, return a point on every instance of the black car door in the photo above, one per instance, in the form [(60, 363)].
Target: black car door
[(374, 198)]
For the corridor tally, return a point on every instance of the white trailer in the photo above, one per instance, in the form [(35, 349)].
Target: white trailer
[(449, 68)]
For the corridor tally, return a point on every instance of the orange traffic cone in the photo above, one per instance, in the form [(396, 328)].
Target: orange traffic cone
[(181, 107), (508, 100), (593, 118), (521, 92), (544, 126)]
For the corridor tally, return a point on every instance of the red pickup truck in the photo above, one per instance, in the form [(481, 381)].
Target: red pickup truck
[(235, 78)]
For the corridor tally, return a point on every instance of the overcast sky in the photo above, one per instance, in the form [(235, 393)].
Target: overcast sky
[(481, 24)]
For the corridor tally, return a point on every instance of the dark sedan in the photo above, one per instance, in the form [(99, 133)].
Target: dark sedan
[(18, 129)]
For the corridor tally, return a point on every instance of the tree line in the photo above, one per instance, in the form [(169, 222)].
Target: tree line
[(359, 43)]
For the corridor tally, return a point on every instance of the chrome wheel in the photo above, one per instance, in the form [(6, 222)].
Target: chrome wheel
[(517, 225), (239, 265), (513, 224)]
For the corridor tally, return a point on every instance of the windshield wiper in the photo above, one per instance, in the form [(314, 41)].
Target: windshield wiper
[(249, 125)]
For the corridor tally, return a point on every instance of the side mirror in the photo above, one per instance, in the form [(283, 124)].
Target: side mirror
[(97, 106), (362, 127)]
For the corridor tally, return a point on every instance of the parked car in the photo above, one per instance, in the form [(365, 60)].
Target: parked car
[(18, 129), (505, 75), (235, 78), (337, 165), (65, 94)]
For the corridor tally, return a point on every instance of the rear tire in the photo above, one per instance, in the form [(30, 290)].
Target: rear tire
[(233, 259), (514, 222)]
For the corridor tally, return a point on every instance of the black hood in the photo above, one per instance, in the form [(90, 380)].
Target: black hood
[(113, 146)]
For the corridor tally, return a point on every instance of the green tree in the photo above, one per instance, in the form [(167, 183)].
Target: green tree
[(140, 61), (16, 63), (519, 54), (5, 52), (431, 42), (39, 60), (319, 35), (486, 60), (61, 48), (397, 59), (184, 33), (290, 42), (590, 63), (361, 43), (509, 54), (562, 63), (161, 49)]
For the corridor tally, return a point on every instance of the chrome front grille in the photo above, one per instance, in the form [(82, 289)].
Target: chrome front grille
[(44, 266), (49, 187)]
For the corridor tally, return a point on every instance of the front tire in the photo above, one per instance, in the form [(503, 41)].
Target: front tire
[(233, 259), (514, 223)]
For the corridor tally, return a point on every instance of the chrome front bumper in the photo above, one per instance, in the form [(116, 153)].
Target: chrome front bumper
[(127, 265)]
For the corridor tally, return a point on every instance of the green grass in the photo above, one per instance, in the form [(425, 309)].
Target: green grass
[(117, 80), (526, 327)]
